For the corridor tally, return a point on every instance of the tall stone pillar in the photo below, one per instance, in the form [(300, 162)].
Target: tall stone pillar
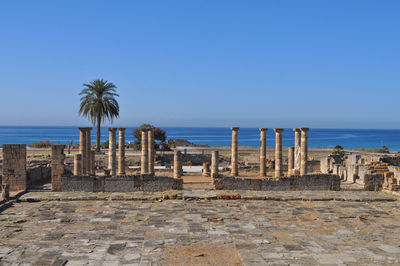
[(263, 151), (82, 148), (150, 140), (145, 152), (88, 151), (278, 152), (297, 150), (290, 160), (214, 164), (112, 151), (177, 164), (77, 164), (57, 166), (304, 151), (235, 154), (121, 151), (14, 166)]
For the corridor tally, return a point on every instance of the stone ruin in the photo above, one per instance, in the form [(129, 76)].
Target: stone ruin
[(373, 172), (84, 178)]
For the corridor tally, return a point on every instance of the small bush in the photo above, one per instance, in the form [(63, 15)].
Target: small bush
[(41, 144)]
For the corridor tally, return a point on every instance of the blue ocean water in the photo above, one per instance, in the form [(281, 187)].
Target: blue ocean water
[(321, 138)]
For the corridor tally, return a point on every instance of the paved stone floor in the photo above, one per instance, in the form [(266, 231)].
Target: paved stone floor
[(174, 232)]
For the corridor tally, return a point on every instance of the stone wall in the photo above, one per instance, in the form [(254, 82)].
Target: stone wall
[(146, 182), (14, 166), (123, 184), (196, 159), (305, 182), (161, 183), (373, 182)]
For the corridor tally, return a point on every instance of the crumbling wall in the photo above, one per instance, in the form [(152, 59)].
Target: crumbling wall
[(305, 182)]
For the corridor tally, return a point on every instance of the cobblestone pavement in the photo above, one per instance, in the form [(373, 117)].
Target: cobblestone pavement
[(256, 232)]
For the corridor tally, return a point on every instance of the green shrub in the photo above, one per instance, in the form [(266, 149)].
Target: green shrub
[(41, 144)]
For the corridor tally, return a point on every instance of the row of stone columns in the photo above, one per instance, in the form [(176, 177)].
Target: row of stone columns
[(148, 152), (85, 162), (112, 151), (297, 155)]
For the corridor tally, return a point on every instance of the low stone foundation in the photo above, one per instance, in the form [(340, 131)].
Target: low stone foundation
[(305, 182), (373, 182), (147, 182)]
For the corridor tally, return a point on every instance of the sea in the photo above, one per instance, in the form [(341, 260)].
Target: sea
[(216, 136)]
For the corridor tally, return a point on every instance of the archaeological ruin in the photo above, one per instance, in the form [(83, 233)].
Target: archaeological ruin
[(290, 168)]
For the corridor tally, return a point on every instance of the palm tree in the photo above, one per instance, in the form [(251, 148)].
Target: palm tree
[(98, 103)]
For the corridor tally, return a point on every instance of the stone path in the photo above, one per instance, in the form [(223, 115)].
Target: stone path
[(249, 232)]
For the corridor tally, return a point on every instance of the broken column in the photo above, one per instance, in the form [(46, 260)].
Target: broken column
[(235, 155), (88, 151), (112, 151), (14, 166), (177, 164), (150, 140), (278, 152), (263, 151), (290, 160), (304, 151), (121, 151), (57, 166), (77, 164), (82, 148), (297, 150), (206, 169), (214, 164), (145, 150)]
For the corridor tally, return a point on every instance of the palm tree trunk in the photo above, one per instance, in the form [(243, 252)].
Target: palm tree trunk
[(98, 133)]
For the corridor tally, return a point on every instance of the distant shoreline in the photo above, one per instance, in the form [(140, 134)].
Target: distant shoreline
[(217, 136)]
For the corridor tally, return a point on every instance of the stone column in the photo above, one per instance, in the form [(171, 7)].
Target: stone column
[(297, 152), (235, 155), (121, 151), (177, 164), (206, 169), (263, 151), (304, 151), (150, 140), (278, 152), (14, 166), (112, 151), (145, 152), (57, 166), (82, 149), (77, 164), (88, 151), (214, 164), (290, 160)]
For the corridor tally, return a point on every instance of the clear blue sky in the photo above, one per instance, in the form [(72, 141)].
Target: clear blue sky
[(333, 64)]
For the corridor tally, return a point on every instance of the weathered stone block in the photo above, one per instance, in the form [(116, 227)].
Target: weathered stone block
[(14, 166)]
